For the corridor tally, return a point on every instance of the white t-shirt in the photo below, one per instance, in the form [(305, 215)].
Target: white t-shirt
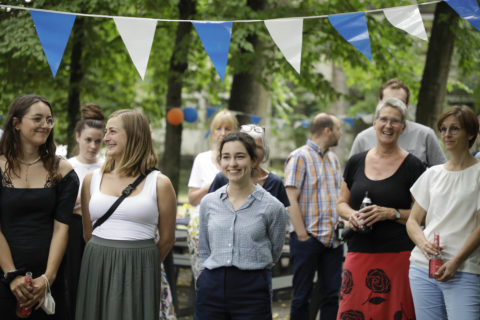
[(451, 199), (81, 169), (136, 218), (203, 173)]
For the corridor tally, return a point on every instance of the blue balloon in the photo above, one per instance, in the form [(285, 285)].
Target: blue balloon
[(190, 114)]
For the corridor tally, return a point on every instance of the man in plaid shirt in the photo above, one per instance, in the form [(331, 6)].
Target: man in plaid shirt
[(312, 180)]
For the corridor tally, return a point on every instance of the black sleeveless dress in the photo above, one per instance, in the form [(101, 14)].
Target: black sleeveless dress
[(26, 219)]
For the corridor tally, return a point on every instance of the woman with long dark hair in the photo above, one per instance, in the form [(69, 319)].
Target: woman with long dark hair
[(36, 203)]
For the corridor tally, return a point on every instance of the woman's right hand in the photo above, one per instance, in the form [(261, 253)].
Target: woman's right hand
[(355, 220), (21, 290), (430, 249)]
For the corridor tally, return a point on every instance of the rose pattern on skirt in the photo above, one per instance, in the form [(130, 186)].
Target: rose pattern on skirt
[(347, 282), (377, 281)]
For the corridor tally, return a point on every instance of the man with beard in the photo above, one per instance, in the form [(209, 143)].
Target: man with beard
[(312, 180)]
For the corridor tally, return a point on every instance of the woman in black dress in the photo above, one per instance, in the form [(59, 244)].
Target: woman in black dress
[(37, 196)]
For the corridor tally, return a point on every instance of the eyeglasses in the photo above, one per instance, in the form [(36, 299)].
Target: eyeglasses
[(250, 127), (393, 122), (38, 120), (454, 130)]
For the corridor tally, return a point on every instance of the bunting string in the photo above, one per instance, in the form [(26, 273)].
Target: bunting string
[(180, 20)]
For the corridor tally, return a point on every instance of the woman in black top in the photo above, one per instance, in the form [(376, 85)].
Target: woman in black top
[(375, 276), (36, 201)]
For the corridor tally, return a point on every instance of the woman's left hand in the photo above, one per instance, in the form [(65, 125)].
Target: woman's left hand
[(38, 293), (372, 214), (446, 271)]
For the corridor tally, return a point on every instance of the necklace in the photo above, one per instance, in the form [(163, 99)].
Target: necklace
[(28, 164)]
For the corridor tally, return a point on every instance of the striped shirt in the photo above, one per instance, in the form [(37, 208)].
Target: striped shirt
[(318, 178), (249, 238)]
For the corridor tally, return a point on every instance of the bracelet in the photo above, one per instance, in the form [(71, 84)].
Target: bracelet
[(46, 281), (12, 274)]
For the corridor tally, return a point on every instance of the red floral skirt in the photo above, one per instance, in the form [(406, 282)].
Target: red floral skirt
[(376, 286)]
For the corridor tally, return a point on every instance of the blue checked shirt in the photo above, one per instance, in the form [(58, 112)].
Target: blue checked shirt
[(318, 178), (250, 238)]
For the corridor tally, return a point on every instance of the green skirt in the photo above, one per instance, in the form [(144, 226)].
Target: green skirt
[(119, 280)]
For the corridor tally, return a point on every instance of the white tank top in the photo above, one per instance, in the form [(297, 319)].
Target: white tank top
[(136, 218)]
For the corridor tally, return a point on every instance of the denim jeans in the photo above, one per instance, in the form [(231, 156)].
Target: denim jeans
[(308, 257), (457, 298)]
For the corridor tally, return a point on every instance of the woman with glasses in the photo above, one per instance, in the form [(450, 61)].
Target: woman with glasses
[(205, 167), (375, 276), (447, 204), (37, 196)]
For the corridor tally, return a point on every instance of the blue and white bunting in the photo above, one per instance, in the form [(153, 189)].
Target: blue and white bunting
[(408, 19)]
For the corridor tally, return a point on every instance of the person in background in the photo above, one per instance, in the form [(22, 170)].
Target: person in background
[(88, 134), (312, 180), (375, 276), (417, 139), (205, 167), (37, 196), (447, 203), (120, 273), (242, 232)]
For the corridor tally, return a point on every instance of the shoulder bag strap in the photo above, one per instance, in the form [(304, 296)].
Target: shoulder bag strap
[(125, 193)]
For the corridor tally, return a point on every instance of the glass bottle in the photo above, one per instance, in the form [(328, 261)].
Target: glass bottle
[(365, 203), (435, 261), (24, 312)]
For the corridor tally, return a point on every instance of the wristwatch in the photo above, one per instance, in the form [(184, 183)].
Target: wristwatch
[(397, 214), (12, 274)]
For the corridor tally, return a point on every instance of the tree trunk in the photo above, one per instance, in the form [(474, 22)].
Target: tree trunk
[(76, 76), (178, 66), (437, 65), (173, 136), (247, 95)]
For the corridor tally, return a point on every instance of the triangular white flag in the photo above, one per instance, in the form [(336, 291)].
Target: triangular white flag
[(407, 18), (287, 35), (137, 34)]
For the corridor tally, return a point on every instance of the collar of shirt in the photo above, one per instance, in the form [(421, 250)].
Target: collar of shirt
[(312, 145), (256, 194)]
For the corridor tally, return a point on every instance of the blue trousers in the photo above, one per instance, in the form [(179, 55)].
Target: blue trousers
[(308, 257), (228, 293), (457, 298)]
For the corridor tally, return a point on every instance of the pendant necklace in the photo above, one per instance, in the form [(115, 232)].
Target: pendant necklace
[(28, 165)]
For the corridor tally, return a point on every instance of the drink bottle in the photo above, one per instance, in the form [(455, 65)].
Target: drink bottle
[(365, 202), (24, 312), (435, 261)]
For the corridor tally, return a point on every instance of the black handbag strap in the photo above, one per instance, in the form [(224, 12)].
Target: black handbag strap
[(125, 193)]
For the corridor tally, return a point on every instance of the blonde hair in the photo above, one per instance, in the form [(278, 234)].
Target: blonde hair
[(139, 155), (224, 117)]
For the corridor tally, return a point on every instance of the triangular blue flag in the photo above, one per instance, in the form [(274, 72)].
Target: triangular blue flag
[(255, 119), (207, 134), (349, 121), (215, 37), (211, 110), (53, 30), (468, 10), (353, 28), (305, 123)]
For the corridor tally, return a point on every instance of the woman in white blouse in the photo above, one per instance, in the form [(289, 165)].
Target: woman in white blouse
[(448, 205)]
